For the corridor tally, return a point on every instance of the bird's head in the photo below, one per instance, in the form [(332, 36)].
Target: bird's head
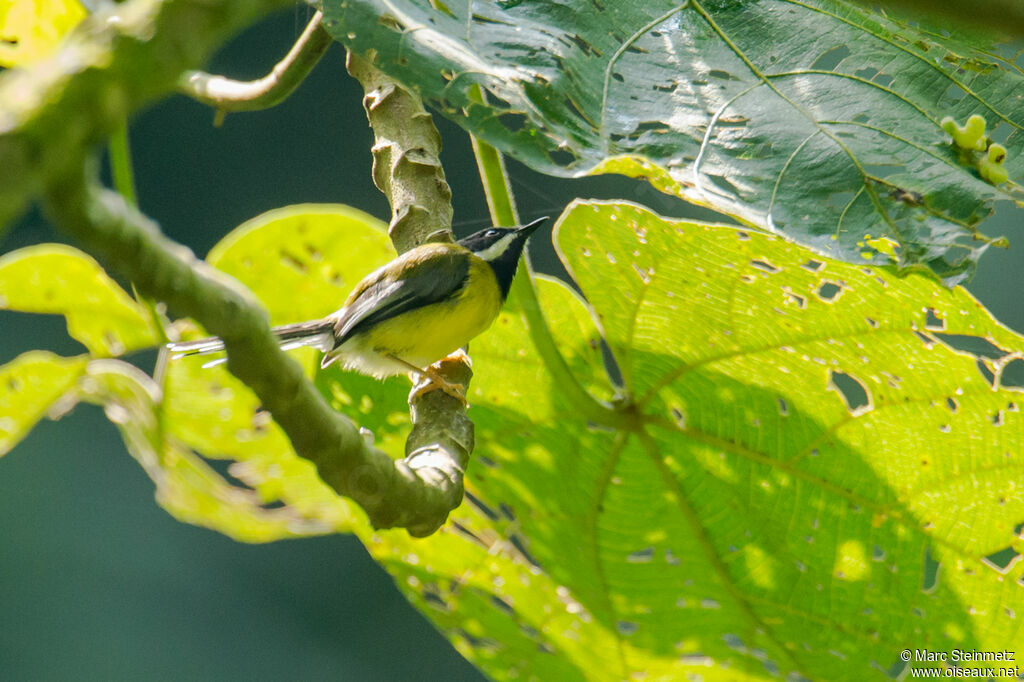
[(501, 248)]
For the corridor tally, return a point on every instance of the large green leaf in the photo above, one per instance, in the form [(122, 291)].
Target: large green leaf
[(818, 119), (58, 279), (815, 473)]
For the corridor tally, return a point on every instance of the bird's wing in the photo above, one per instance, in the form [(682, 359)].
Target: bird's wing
[(427, 274)]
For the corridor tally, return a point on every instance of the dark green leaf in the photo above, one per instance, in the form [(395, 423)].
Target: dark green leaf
[(817, 119)]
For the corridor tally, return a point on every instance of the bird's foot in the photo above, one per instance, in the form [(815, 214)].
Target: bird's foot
[(430, 380)]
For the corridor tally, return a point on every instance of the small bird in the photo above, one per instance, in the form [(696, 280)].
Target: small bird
[(411, 312)]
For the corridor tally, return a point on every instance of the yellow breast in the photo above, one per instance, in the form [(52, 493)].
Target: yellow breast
[(424, 336)]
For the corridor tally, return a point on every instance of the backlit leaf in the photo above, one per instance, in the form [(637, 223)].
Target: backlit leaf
[(30, 385), (821, 469), (58, 279), (31, 29)]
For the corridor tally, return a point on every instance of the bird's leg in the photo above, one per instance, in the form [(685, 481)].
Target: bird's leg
[(435, 381)]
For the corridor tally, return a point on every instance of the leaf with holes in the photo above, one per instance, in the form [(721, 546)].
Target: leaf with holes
[(186, 485), (810, 467), (58, 279), (817, 119), (30, 386), (300, 261)]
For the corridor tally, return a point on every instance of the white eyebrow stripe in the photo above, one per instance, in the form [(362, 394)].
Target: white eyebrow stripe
[(497, 248)]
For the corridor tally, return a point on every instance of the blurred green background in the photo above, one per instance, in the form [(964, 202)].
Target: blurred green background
[(96, 581)]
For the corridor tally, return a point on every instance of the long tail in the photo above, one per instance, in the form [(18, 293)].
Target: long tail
[(316, 333)]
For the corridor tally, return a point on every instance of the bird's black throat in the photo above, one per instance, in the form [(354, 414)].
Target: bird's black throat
[(504, 266)]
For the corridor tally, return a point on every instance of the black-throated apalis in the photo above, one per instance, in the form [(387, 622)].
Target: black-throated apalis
[(411, 312)]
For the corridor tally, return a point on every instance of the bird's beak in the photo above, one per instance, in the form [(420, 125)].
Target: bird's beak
[(529, 228)]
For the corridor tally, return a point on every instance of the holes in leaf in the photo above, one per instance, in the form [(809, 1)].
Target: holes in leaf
[(520, 546), (481, 19), (626, 627), (733, 642), (293, 262), (313, 251), (645, 275), (871, 322), (930, 573), (724, 184), (678, 416), (231, 473), (481, 506), (562, 157), (432, 596), (801, 301), (733, 121), (884, 170), (391, 22), (783, 407), (656, 127), (829, 291), (986, 373), (909, 197), (840, 200), (953, 94), (952, 404), (642, 556), (469, 535), (765, 266), (852, 390), (830, 59), (485, 643), (974, 345), (1012, 375), (502, 605), (884, 79), (722, 75), (932, 321), (513, 121), (1002, 561)]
